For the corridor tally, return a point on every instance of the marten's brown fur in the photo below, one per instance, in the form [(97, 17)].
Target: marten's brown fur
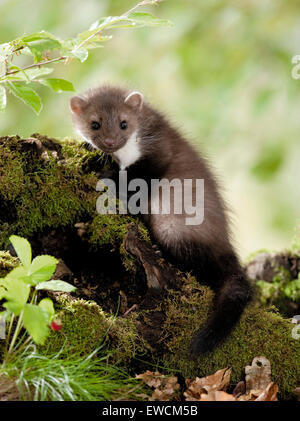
[(150, 148)]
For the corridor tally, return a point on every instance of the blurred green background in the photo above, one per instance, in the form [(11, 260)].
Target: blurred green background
[(223, 76)]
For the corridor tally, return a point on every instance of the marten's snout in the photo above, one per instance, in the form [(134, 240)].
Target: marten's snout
[(110, 143)]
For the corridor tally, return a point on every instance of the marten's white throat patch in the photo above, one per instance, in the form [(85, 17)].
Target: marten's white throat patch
[(129, 153)]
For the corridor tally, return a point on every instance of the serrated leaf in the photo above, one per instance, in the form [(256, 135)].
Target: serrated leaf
[(38, 36), (42, 268), (19, 272), (14, 307), (104, 22), (56, 285), (2, 290), (16, 292), (81, 54), (2, 98), (22, 248), (29, 74), (38, 72), (40, 46), (21, 73), (35, 321), (40, 42), (95, 25), (27, 95), (146, 19), (58, 85), (99, 38), (47, 305)]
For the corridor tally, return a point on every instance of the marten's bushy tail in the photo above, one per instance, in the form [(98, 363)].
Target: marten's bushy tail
[(230, 302)]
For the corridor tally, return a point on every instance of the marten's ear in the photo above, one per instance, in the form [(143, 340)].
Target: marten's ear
[(77, 104), (135, 100)]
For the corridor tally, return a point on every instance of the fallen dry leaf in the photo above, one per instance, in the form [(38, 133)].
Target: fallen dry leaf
[(165, 387), (258, 375), (151, 378), (216, 382), (251, 396), (269, 394), (297, 393), (216, 395), (239, 389)]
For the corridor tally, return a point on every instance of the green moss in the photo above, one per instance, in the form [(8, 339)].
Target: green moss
[(7, 263), (86, 326), (110, 230), (125, 341), (37, 193), (259, 332)]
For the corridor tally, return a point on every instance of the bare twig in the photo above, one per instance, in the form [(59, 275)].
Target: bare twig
[(130, 310)]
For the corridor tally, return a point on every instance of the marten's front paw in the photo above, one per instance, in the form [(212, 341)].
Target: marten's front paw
[(157, 250)]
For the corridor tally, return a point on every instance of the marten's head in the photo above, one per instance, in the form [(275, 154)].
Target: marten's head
[(107, 117)]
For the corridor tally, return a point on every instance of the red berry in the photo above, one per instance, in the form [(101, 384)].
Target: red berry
[(56, 325)]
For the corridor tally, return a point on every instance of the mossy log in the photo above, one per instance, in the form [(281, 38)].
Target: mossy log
[(125, 291)]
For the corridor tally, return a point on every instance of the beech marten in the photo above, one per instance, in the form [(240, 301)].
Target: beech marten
[(142, 141)]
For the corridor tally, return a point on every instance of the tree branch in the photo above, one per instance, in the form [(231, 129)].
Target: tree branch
[(124, 16), (41, 63)]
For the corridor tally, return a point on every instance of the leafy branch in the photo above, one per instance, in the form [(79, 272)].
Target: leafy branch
[(45, 48)]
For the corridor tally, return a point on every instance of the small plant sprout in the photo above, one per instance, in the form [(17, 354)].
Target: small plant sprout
[(19, 291)]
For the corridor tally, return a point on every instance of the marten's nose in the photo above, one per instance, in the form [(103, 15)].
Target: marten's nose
[(109, 142)]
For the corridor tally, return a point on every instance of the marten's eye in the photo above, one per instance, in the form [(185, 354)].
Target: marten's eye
[(95, 125), (123, 125)]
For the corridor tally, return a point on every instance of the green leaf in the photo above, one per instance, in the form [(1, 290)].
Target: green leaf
[(22, 248), (29, 74), (146, 19), (38, 36), (81, 54), (35, 321), (37, 72), (42, 268), (47, 305), (2, 290), (2, 98), (19, 272), (56, 286), (16, 292), (292, 290), (27, 95), (5, 50), (101, 22), (99, 38), (37, 48), (58, 85), (14, 307), (40, 42)]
